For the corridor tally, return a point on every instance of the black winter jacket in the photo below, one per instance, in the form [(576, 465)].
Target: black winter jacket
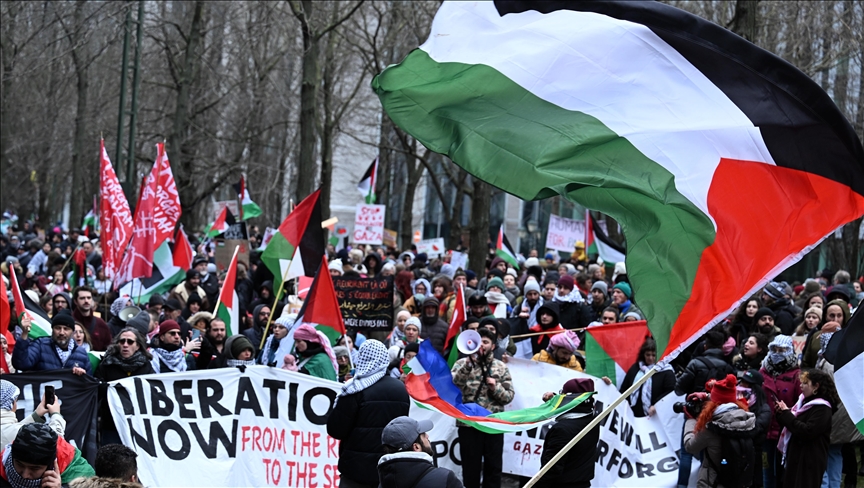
[(662, 384), (434, 329), (573, 315), (576, 468), (358, 420), (784, 314), (414, 470), (697, 371)]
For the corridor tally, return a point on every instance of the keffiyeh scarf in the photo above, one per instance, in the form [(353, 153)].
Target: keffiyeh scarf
[(175, 360), (15, 479), (371, 366), (64, 354), (240, 362)]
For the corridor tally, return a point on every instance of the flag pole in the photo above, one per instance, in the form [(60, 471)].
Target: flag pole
[(551, 332), (590, 426), (272, 310)]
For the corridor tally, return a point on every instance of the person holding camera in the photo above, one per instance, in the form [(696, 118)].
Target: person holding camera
[(721, 428)]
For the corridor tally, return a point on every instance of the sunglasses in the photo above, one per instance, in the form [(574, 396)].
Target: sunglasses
[(126, 341)]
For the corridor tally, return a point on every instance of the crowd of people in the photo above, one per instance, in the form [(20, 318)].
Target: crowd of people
[(756, 383)]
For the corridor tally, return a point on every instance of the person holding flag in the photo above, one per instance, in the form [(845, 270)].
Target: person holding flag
[(58, 351)]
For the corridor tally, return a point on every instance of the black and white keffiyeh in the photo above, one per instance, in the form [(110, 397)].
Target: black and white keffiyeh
[(15, 479), (175, 360), (371, 365), (64, 354)]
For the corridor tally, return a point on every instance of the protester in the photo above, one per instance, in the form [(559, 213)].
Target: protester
[(189, 286), (780, 371), (313, 352), (764, 320), (752, 354), (547, 326), (116, 467), (485, 381), (806, 431), (743, 325), (9, 424), (366, 404), (723, 421), (409, 459), (82, 338), (212, 343), (599, 299), (573, 312), (276, 346), (662, 383), (56, 352), (238, 352), (343, 360), (751, 389), (260, 316), (774, 297), (561, 351), (116, 323), (60, 301), (100, 333), (808, 326), (434, 329), (576, 468), (397, 335), (169, 353), (622, 298), (6, 363), (208, 280), (834, 316), (40, 458)]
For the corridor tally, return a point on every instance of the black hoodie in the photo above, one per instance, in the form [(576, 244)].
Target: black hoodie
[(414, 469)]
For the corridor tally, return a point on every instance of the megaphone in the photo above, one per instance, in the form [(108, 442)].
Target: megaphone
[(127, 313), (468, 342)]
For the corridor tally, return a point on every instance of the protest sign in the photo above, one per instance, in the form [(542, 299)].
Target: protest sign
[(369, 224), (79, 402), (459, 260), (365, 302), (432, 247), (562, 233), (225, 252), (390, 238)]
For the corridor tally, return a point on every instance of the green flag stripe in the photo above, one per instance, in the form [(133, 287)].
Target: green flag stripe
[(225, 315), (481, 120), (279, 248)]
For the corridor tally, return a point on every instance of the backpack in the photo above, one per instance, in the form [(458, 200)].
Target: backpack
[(715, 371), (736, 466)]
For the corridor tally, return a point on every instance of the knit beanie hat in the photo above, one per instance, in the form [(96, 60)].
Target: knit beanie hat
[(340, 351), (140, 322), (602, 286), (8, 394), (625, 289), (578, 386), (812, 286), (723, 390), (496, 281), (566, 281), (240, 344), (35, 444), (532, 262), (168, 326), (64, 318), (817, 311), (531, 285), (415, 322), (763, 311), (775, 290), (593, 268)]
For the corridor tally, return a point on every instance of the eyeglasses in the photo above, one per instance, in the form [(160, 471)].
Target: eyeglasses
[(126, 341)]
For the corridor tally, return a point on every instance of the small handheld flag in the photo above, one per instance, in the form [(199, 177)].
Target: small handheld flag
[(248, 208), (228, 304), (367, 183), (223, 221), (504, 250)]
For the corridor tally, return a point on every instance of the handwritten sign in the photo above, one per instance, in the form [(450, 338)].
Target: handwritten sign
[(369, 224), (563, 233), (366, 303), (432, 247)]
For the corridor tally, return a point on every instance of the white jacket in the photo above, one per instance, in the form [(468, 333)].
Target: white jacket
[(9, 425)]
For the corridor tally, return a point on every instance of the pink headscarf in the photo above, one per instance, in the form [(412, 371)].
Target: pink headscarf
[(308, 333), (568, 340)]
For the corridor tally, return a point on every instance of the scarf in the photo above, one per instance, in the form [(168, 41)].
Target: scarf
[(174, 359), (64, 355), (539, 328), (645, 390), (270, 353), (371, 366), (240, 362), (799, 407), (532, 314), (779, 363), (14, 478), (501, 303), (397, 337), (127, 365), (573, 297), (824, 339)]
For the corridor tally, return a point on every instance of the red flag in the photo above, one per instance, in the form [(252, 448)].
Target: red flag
[(166, 210), (183, 252), (321, 306), (5, 318), (115, 218), (458, 318)]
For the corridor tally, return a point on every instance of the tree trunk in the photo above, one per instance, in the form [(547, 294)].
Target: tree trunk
[(307, 165), (415, 171), (481, 204), (745, 19), (80, 167)]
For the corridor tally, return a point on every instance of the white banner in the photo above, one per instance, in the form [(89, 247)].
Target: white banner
[(562, 233), (369, 224), (267, 427), (432, 247)]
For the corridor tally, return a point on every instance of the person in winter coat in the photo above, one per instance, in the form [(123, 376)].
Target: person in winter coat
[(774, 297), (409, 460), (100, 333), (485, 381), (835, 316), (576, 468), (275, 348), (237, 352), (622, 296), (750, 389), (9, 424), (699, 369), (260, 314), (753, 351), (573, 312), (40, 458), (126, 356), (313, 352), (662, 383), (723, 416), (169, 352), (599, 299), (743, 325), (806, 431), (780, 371), (434, 329), (365, 405), (547, 321), (116, 324), (56, 352), (562, 351)]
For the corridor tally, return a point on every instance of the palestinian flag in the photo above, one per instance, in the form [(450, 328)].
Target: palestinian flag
[(367, 184), (723, 163), (78, 264), (165, 276), (597, 242), (5, 321), (298, 247), (456, 321), (504, 250), (846, 352), (430, 385), (223, 221), (248, 208), (40, 323), (228, 304), (321, 307), (613, 348), (183, 252), (90, 224), (269, 232)]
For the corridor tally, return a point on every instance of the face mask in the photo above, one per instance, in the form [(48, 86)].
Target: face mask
[(747, 394), (776, 357)]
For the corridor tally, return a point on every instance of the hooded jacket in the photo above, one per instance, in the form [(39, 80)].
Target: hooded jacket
[(434, 329), (411, 469), (540, 343), (255, 332), (41, 355), (576, 468), (733, 422)]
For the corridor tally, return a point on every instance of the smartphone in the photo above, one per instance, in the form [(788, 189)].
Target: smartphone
[(196, 334), (49, 395)]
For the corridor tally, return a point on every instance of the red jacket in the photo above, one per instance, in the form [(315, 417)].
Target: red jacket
[(785, 387)]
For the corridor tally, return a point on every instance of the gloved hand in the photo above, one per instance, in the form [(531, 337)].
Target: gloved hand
[(694, 404)]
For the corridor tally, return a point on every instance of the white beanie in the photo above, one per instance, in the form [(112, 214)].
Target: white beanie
[(531, 285), (335, 264), (415, 322), (532, 262)]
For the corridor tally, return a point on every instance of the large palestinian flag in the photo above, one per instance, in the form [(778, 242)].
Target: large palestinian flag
[(613, 348), (165, 276), (723, 163), (846, 352), (321, 306), (298, 247)]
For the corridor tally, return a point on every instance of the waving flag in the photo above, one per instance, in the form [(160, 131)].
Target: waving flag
[(367, 183), (613, 348), (164, 276), (90, 224), (223, 221), (183, 252), (5, 320), (115, 218), (248, 208), (40, 324), (723, 163), (321, 307), (456, 321), (431, 386), (597, 242), (228, 304), (504, 250), (298, 247), (846, 352)]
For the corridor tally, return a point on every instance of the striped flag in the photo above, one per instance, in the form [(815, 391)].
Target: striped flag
[(298, 246), (430, 385), (613, 348), (40, 324), (456, 321), (321, 307), (183, 252), (597, 242), (248, 208), (228, 304), (90, 224), (504, 250), (164, 276), (367, 183), (223, 221), (5, 320), (723, 163), (846, 352)]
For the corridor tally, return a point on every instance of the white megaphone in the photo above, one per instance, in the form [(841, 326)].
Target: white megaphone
[(128, 313), (468, 342)]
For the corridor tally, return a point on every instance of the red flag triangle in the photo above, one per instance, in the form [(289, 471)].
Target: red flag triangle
[(321, 306), (621, 341)]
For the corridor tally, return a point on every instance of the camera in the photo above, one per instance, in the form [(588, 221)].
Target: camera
[(693, 407)]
